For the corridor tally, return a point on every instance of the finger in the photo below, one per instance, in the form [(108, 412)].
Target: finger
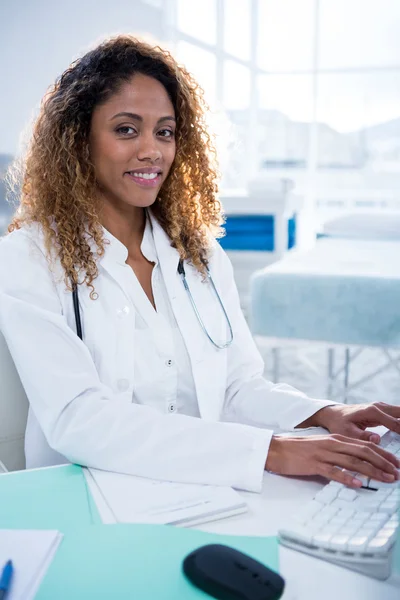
[(369, 436), (389, 409), (336, 474), (359, 465), (355, 432), (375, 414), (342, 444)]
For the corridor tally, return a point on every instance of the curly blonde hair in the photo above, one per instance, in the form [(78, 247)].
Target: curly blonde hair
[(58, 184)]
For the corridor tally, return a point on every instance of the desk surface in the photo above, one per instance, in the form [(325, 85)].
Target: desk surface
[(306, 578)]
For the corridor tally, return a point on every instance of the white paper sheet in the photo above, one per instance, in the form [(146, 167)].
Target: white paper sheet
[(139, 500), (31, 553)]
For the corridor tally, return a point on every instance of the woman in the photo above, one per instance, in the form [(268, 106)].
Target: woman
[(119, 187)]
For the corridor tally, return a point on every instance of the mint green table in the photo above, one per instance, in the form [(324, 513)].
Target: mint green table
[(107, 561)]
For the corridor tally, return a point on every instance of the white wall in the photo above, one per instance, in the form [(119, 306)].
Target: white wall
[(38, 40)]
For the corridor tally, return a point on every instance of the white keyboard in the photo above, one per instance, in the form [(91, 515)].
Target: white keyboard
[(356, 529)]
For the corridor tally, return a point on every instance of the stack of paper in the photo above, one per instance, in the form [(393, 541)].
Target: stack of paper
[(31, 552), (130, 499)]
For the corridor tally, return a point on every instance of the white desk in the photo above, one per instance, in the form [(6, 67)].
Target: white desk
[(306, 578)]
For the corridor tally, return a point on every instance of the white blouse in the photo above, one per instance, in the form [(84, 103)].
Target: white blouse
[(168, 386)]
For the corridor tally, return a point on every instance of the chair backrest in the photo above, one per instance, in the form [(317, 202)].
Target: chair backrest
[(13, 412)]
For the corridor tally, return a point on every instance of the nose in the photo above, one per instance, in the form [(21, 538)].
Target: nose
[(148, 148)]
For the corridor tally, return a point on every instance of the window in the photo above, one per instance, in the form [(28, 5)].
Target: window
[(203, 66), (198, 19), (359, 33), (236, 86), (237, 28), (285, 111), (285, 34), (321, 99)]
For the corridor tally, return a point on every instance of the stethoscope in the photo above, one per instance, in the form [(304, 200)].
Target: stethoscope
[(181, 271)]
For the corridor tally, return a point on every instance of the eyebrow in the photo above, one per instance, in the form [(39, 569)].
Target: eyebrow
[(139, 118)]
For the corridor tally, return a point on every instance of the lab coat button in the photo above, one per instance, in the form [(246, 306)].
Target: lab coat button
[(123, 312), (169, 362), (172, 407), (123, 385)]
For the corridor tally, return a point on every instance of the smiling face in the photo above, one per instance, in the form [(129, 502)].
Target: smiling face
[(132, 143)]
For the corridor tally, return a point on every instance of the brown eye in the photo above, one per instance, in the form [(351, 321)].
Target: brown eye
[(125, 130), (167, 133)]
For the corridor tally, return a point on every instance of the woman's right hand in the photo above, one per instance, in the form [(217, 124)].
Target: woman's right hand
[(332, 456)]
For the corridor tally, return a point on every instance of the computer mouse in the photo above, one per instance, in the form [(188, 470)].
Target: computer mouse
[(227, 574)]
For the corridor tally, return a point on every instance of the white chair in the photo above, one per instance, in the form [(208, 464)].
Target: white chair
[(13, 412)]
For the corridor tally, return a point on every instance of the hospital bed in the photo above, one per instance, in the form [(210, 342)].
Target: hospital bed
[(344, 293)]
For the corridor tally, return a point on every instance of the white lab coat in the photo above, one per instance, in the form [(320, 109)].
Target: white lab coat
[(77, 411)]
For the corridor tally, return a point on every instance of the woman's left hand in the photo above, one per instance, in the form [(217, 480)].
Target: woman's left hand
[(352, 420)]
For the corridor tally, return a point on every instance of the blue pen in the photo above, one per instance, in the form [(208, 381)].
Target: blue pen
[(5, 579)]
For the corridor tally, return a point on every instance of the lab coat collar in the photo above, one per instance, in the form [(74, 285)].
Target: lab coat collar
[(116, 251), (167, 255)]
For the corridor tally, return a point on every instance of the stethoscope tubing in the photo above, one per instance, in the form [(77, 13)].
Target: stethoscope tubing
[(181, 271)]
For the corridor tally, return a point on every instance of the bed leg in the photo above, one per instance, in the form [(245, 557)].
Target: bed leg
[(275, 365), (346, 373), (331, 371)]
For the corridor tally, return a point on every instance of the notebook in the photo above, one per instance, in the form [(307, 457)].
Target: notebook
[(31, 552), (130, 499)]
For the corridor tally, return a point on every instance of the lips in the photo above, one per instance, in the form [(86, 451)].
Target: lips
[(145, 177), (145, 170)]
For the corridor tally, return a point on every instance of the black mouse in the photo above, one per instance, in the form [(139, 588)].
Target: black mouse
[(227, 574)]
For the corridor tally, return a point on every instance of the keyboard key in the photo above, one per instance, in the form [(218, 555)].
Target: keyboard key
[(370, 529), (380, 517), (383, 493), (322, 539), (392, 447), (341, 504), (331, 528), (358, 543), (309, 511), (362, 515), (388, 507), (380, 545), (335, 484), (297, 532), (378, 485), (320, 521), (339, 542), (330, 511), (349, 529), (389, 529), (369, 504), (347, 494), (327, 494), (338, 520), (363, 478), (347, 512)]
